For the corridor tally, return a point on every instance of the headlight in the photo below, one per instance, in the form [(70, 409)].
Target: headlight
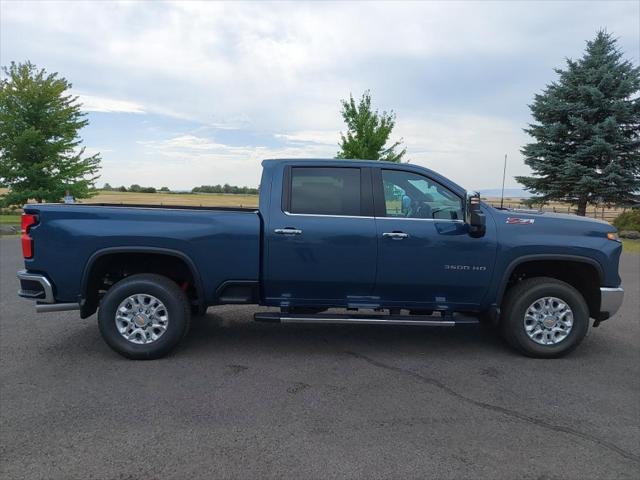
[(613, 236)]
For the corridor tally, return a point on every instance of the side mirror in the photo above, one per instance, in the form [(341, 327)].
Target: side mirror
[(475, 218)]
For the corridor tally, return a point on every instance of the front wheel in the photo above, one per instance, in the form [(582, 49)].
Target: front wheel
[(544, 317), (144, 316)]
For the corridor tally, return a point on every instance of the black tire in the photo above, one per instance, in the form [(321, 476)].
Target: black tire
[(165, 290), (521, 296)]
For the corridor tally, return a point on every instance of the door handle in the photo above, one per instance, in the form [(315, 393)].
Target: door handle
[(288, 231), (395, 235)]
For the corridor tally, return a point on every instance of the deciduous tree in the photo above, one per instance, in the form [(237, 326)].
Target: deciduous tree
[(368, 132), (41, 155)]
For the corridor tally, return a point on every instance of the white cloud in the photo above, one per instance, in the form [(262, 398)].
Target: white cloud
[(93, 103), (323, 137), (183, 143)]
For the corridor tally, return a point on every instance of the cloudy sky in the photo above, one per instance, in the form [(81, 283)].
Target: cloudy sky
[(190, 93)]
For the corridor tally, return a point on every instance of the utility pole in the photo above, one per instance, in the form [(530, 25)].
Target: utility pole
[(504, 173)]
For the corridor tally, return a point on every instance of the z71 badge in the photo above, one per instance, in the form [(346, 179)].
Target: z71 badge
[(520, 221)]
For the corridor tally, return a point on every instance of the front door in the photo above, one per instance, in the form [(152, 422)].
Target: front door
[(426, 257), (321, 238)]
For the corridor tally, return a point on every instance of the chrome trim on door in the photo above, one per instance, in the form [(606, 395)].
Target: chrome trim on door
[(395, 235), (443, 220), (288, 231), (289, 214)]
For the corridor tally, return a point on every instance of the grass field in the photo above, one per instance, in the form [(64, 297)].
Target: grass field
[(630, 246), (189, 199), (9, 219)]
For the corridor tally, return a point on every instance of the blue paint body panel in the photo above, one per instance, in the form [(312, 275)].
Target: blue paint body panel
[(337, 261), (222, 244)]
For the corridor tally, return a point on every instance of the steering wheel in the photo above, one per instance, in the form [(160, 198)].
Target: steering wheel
[(422, 210)]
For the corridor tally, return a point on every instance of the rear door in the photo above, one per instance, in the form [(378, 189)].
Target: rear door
[(321, 237), (425, 254)]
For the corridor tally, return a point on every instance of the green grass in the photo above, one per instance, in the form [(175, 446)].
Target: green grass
[(189, 199), (630, 246), (9, 219)]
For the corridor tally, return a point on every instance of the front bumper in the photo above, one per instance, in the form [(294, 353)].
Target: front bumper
[(610, 301)]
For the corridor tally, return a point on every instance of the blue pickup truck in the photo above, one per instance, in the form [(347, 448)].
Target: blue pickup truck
[(386, 243)]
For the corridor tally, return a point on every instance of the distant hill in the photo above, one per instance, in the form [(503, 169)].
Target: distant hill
[(508, 192)]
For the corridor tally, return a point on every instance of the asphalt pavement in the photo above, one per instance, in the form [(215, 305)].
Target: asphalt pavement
[(240, 399)]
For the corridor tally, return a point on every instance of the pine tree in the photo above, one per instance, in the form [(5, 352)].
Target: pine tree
[(367, 132), (587, 137), (40, 152)]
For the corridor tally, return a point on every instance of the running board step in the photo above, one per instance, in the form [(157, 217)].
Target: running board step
[(276, 317)]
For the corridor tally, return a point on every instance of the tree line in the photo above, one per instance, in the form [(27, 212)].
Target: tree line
[(226, 188), (134, 188)]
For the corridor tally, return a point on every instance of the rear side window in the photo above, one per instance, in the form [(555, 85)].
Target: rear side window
[(325, 191)]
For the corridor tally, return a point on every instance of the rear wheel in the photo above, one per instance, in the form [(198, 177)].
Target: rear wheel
[(144, 316), (544, 317)]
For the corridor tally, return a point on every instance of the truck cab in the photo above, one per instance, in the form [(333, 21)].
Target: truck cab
[(372, 235)]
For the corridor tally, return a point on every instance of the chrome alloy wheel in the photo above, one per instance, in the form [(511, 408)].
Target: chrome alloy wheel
[(142, 318), (548, 320)]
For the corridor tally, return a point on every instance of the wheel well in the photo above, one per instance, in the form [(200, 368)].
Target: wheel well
[(583, 276), (110, 268)]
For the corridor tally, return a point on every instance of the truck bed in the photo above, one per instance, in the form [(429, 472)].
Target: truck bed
[(222, 242)]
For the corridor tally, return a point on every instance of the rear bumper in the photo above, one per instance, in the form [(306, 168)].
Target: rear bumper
[(610, 301), (35, 286)]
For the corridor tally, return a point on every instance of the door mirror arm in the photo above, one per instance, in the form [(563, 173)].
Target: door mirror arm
[(475, 218)]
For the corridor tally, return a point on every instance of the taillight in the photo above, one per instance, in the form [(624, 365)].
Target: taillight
[(28, 220)]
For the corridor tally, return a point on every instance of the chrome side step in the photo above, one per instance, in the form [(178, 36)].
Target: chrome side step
[(431, 321)]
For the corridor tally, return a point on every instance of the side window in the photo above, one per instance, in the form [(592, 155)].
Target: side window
[(411, 195), (325, 191)]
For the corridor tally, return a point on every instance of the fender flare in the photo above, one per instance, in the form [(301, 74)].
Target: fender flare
[(540, 257), (138, 249)]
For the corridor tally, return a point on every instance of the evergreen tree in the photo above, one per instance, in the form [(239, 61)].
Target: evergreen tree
[(587, 137), (40, 153), (367, 132)]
